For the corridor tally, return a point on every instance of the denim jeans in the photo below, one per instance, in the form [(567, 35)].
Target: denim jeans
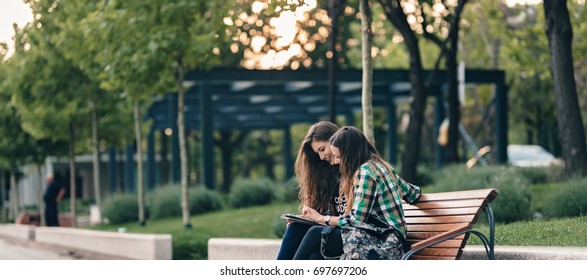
[(291, 240), (310, 247)]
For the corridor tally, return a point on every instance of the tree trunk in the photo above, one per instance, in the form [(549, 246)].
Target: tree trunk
[(226, 151), (454, 104), (140, 185), (40, 201), (367, 89), (410, 158), (96, 154), (333, 13), (164, 153), (572, 134), (185, 208), (14, 205), (72, 186)]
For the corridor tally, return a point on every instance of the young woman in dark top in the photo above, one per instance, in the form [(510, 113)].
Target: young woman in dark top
[(318, 179)]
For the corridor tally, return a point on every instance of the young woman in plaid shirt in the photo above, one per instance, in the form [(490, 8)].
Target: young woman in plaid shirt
[(373, 184)]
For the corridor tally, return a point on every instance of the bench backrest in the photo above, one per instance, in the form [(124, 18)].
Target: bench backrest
[(444, 213)]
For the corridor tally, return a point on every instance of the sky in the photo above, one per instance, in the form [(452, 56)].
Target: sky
[(12, 11)]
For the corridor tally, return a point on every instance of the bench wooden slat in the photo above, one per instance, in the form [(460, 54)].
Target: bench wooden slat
[(425, 235), (457, 242), (437, 227), (445, 204), (486, 194), (440, 252), (442, 212), (429, 257), (440, 219)]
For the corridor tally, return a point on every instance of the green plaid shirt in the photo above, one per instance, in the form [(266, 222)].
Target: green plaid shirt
[(379, 193)]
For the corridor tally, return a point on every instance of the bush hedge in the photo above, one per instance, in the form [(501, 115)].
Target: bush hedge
[(121, 208), (250, 192), (165, 202), (202, 200), (513, 201), (568, 201)]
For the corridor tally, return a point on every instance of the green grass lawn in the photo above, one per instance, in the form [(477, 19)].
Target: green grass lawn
[(259, 222), (567, 232)]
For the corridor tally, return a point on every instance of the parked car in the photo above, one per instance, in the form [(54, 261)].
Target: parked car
[(530, 156)]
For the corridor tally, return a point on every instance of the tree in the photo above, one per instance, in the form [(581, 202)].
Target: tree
[(448, 50), (131, 61), (367, 79), (396, 15), (15, 142), (46, 89), (190, 33), (75, 45), (572, 134)]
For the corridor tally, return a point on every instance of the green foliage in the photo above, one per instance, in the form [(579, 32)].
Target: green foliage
[(425, 176), (203, 200), (289, 190), (165, 202), (279, 227), (121, 208), (512, 203), (249, 192), (82, 206), (540, 175), (570, 201)]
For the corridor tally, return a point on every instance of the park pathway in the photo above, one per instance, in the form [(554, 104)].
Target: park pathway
[(19, 250)]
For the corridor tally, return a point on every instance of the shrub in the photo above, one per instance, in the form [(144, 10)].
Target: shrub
[(249, 192), (513, 201), (536, 175), (278, 227), (425, 176), (165, 202), (121, 208), (289, 190), (203, 200), (568, 201)]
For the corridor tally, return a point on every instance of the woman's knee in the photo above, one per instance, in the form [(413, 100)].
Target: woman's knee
[(315, 231)]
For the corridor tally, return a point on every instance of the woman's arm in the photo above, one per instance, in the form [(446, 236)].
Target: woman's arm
[(319, 218), (364, 196)]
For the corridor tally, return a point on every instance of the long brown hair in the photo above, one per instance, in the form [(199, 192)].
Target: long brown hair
[(317, 178), (355, 149)]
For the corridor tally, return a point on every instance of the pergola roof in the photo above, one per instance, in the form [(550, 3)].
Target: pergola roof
[(265, 99), (238, 99)]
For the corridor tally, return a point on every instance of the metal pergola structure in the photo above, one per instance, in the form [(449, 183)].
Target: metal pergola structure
[(239, 99)]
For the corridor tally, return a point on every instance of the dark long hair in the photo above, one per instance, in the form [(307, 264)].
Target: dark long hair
[(319, 181), (355, 149)]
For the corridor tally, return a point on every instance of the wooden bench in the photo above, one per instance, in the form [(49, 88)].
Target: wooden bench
[(439, 224)]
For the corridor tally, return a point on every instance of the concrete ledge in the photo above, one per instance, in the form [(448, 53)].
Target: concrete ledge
[(526, 253), (21, 232), (243, 249), (125, 245), (267, 249)]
